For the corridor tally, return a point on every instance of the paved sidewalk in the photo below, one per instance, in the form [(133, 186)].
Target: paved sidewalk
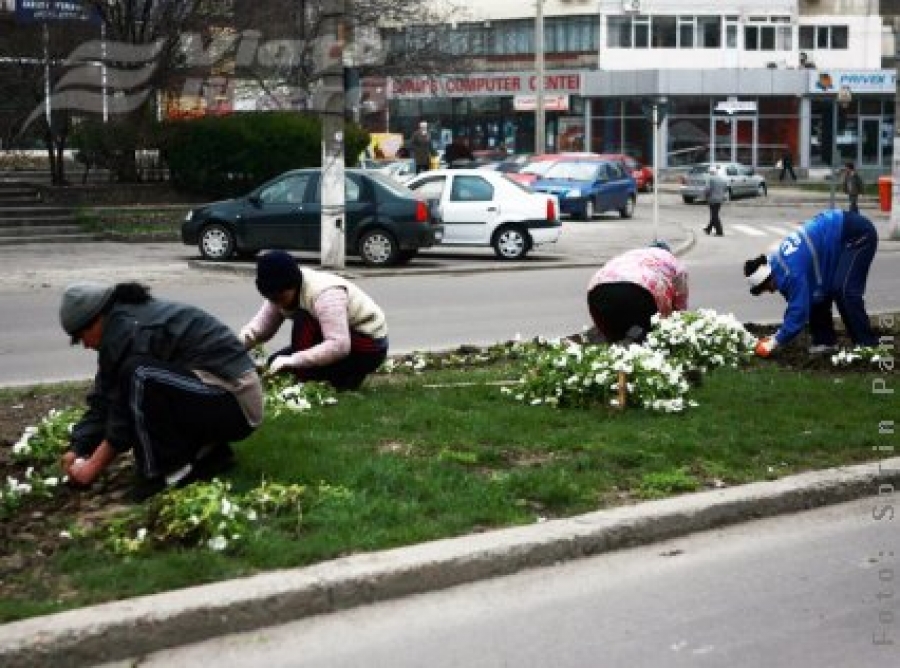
[(124, 630)]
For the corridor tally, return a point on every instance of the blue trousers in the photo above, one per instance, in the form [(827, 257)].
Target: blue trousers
[(859, 241)]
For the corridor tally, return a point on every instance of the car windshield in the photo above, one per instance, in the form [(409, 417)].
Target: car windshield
[(520, 186), (573, 171), (390, 184), (539, 167)]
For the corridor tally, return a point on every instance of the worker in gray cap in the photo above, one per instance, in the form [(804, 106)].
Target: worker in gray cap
[(174, 385)]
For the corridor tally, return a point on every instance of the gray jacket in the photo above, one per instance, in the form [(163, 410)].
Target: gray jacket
[(716, 189)]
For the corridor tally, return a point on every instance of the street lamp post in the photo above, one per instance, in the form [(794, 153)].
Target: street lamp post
[(841, 100), (540, 123)]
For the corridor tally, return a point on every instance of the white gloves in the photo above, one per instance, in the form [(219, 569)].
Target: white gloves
[(281, 363)]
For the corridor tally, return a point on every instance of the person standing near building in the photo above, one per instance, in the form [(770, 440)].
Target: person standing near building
[(716, 193), (853, 186), (420, 147), (787, 166), (825, 261)]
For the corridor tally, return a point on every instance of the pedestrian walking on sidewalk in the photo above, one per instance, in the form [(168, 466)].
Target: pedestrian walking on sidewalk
[(716, 193), (339, 333), (625, 294), (787, 167), (825, 261), (853, 186), (174, 385)]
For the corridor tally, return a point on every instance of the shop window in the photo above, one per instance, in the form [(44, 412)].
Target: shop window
[(835, 37)]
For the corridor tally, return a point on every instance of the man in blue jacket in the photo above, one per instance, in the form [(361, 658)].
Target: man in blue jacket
[(825, 261)]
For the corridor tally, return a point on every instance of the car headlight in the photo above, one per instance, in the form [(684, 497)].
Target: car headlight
[(575, 192)]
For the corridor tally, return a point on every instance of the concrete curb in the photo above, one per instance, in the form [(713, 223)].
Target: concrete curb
[(124, 629)]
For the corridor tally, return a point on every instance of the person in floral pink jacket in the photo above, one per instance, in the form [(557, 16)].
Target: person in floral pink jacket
[(632, 287)]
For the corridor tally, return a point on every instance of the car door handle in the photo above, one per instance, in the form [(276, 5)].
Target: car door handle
[(492, 208)]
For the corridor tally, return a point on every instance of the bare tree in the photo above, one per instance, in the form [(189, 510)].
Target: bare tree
[(33, 61)]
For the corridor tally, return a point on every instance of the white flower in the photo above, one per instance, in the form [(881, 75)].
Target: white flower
[(141, 534), (217, 544)]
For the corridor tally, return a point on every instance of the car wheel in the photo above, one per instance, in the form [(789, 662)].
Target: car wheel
[(587, 213), (761, 190), (687, 200), (627, 211), (216, 242), (510, 243), (377, 248)]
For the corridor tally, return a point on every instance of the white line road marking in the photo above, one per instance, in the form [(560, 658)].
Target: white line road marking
[(750, 231), (780, 231)]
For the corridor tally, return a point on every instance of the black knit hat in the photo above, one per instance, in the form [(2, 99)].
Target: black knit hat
[(277, 271)]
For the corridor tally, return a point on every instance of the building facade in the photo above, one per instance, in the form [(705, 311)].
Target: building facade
[(731, 80)]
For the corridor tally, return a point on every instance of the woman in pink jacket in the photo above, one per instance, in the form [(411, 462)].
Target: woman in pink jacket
[(632, 287)]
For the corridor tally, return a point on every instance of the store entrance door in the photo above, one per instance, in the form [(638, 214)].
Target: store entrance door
[(735, 139), (870, 135)]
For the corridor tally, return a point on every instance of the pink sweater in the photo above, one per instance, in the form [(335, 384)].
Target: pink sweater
[(654, 269), (330, 310)]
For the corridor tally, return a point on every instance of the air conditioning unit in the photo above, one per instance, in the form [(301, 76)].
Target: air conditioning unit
[(631, 5)]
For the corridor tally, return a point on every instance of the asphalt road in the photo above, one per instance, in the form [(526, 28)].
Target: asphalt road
[(445, 298), (816, 589)]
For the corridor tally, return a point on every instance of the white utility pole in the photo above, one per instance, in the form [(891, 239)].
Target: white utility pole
[(330, 104)]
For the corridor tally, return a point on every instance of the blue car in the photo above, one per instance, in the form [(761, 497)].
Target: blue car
[(588, 186)]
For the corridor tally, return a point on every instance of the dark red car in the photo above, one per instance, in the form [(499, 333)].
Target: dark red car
[(642, 174)]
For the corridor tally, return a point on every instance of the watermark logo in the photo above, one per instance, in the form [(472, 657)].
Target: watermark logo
[(97, 67)]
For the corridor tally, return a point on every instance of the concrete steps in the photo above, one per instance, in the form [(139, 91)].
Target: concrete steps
[(24, 219)]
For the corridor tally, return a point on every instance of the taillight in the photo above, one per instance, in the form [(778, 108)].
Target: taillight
[(551, 209), (422, 212)]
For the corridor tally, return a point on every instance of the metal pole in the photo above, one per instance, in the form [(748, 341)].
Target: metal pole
[(656, 171), (540, 123), (47, 104), (103, 72), (834, 126)]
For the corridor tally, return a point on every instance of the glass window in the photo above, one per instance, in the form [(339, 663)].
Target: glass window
[(432, 187), (783, 38), (642, 32), (289, 190), (664, 32), (709, 32), (807, 37), (685, 32), (731, 36), (471, 189), (618, 32), (751, 38), (822, 37), (840, 37)]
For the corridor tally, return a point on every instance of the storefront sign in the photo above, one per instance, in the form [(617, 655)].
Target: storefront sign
[(30, 11), (482, 85), (858, 81), (551, 102), (734, 106)]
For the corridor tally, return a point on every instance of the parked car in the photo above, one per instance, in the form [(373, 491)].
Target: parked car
[(481, 207), (588, 186), (386, 223), (539, 163), (743, 181), (401, 169), (642, 174)]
